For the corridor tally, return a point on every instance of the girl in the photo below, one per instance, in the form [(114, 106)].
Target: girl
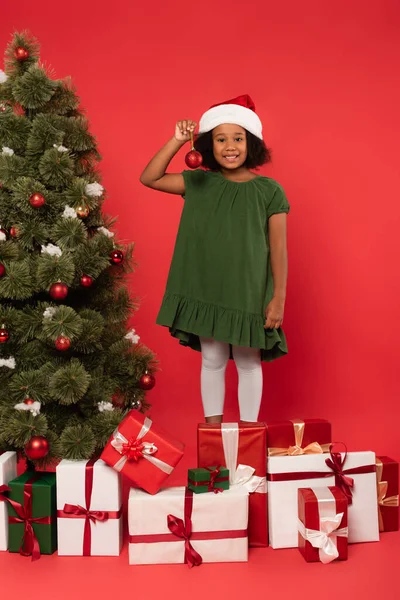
[(226, 288)]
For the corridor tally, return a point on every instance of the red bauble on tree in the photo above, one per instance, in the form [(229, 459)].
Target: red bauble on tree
[(37, 200), (4, 335), (14, 231), (62, 343), (21, 53), (86, 281), (117, 257), (37, 447), (147, 381), (29, 401), (118, 400), (2, 270), (58, 291)]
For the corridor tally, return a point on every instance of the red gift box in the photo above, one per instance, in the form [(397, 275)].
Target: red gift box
[(387, 474), (241, 448), (143, 452), (323, 529), (295, 437)]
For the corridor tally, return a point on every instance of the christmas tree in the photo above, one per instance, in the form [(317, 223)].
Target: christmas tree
[(70, 368)]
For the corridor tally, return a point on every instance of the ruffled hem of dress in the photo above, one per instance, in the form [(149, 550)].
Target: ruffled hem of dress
[(187, 319)]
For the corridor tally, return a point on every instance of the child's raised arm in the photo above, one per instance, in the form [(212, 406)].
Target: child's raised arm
[(154, 175)]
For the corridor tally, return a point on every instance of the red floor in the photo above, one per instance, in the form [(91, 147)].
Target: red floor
[(372, 571)]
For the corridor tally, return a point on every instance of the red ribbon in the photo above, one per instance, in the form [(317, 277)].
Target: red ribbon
[(75, 511), (133, 450), (183, 529), (213, 476), (29, 545), (4, 488), (336, 464)]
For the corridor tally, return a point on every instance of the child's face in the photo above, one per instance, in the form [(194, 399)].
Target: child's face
[(230, 146)]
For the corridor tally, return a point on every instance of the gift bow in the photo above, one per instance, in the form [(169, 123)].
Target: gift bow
[(213, 476), (184, 530), (343, 481), (135, 449), (297, 449), (392, 501), (243, 476), (29, 544), (325, 539), (80, 511)]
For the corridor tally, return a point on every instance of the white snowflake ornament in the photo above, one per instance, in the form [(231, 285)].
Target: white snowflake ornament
[(94, 189), (69, 212), (8, 362), (3, 76), (52, 250), (105, 232), (49, 313), (34, 407), (60, 148), (105, 406), (132, 336), (7, 151)]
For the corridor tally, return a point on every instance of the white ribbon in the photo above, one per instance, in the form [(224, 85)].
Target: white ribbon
[(147, 452), (239, 474), (326, 538)]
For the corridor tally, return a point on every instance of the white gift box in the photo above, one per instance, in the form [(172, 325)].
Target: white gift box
[(105, 536), (282, 496), (8, 472), (223, 517)]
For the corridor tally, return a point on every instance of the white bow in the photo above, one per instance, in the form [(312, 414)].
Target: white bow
[(149, 448), (325, 539)]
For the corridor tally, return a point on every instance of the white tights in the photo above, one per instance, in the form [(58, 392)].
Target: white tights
[(215, 356)]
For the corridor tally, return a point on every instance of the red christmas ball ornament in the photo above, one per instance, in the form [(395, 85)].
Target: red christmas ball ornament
[(3, 107), (118, 400), (21, 53), (82, 211), (37, 200), (193, 159), (62, 343), (29, 401), (117, 257), (4, 335), (2, 270), (14, 231), (147, 381), (86, 281), (37, 447), (58, 291)]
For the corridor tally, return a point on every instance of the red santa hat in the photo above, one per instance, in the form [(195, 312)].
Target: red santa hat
[(239, 111)]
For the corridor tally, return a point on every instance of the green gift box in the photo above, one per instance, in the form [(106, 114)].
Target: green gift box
[(32, 514), (211, 479)]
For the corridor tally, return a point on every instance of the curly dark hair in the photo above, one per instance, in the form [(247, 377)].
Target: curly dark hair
[(257, 152)]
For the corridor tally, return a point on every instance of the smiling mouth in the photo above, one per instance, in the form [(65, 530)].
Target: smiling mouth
[(231, 158)]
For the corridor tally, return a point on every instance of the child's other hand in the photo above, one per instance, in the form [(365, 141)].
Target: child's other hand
[(183, 129), (274, 314)]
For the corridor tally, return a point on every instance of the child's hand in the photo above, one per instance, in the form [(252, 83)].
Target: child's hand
[(274, 314), (183, 129)]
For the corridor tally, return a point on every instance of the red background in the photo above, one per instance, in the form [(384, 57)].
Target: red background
[(325, 81)]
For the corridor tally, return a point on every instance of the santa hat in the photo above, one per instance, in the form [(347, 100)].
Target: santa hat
[(239, 111)]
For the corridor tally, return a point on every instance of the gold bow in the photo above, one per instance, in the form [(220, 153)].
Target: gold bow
[(297, 450), (382, 491)]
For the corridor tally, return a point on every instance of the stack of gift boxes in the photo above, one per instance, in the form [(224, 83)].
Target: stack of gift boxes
[(285, 484)]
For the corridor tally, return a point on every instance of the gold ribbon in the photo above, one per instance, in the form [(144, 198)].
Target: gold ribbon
[(297, 449), (382, 491)]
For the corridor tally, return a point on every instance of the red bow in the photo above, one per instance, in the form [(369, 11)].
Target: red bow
[(76, 510), (29, 545), (213, 476), (133, 450), (184, 530), (336, 463)]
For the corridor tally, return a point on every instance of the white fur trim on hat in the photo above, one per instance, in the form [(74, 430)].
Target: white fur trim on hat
[(231, 113)]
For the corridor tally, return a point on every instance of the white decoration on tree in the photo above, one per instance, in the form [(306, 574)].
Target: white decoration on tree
[(94, 189), (69, 212), (60, 148), (34, 408), (8, 362), (105, 406), (49, 313), (132, 336), (52, 250), (3, 76), (106, 232), (7, 150), (3, 236)]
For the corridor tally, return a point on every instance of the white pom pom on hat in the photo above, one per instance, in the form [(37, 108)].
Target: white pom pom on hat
[(239, 111)]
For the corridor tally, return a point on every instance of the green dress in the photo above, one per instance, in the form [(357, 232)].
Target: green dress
[(220, 279)]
